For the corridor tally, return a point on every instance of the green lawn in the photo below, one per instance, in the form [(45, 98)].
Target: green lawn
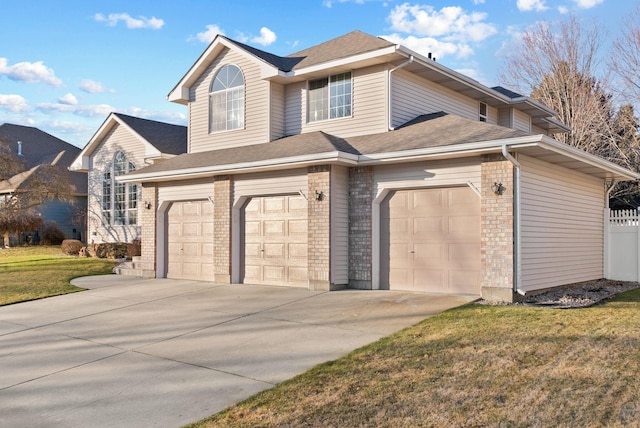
[(28, 273), (477, 365)]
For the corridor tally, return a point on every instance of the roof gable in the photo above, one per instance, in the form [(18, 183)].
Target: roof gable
[(157, 137)]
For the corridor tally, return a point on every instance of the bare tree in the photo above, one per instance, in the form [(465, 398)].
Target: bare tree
[(625, 58), (555, 63), (24, 190)]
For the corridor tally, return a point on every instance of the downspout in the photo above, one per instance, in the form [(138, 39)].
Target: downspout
[(517, 251), (404, 64)]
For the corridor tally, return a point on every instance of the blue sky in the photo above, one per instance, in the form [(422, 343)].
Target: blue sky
[(65, 64)]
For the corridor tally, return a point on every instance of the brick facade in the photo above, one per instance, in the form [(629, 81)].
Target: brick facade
[(319, 227), (148, 227), (222, 196), (497, 237), (360, 223)]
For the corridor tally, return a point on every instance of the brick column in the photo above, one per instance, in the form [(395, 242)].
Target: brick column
[(497, 222), (360, 200), (222, 228), (148, 218), (319, 227)]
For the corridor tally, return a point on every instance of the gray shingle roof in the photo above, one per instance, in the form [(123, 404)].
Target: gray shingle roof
[(432, 130), (167, 138), (353, 43), (507, 92), (37, 146)]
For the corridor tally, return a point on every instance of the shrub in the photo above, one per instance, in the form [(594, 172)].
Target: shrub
[(51, 234), (110, 250), (71, 247), (134, 248)]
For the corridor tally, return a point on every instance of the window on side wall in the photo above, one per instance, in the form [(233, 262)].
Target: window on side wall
[(226, 100), (330, 97), (119, 200), (482, 112)]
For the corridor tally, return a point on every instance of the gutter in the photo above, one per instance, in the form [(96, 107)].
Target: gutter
[(517, 227), (389, 101)]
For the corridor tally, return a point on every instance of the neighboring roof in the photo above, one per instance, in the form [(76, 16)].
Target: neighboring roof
[(166, 137), (437, 135), (38, 146), (159, 138)]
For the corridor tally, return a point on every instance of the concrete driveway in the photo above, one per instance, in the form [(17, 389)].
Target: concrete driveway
[(141, 352)]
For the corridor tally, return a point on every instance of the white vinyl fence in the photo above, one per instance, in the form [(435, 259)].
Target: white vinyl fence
[(622, 245)]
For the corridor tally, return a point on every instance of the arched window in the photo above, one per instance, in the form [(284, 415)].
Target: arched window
[(226, 100), (119, 200)]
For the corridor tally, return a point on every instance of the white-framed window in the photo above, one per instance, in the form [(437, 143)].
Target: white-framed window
[(226, 100), (119, 200), (330, 97), (482, 112)]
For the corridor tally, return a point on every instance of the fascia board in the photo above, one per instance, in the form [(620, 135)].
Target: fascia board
[(244, 167), (550, 144)]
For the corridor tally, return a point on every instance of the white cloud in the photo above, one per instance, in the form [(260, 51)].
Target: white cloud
[(29, 72), (68, 99), (563, 10), (266, 37), (207, 35), (529, 5), (448, 31), (477, 2), (112, 20), (13, 103), (587, 4), (452, 22), (79, 110), (93, 87)]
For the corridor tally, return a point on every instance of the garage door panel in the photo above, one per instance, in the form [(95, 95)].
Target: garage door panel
[(430, 240), (275, 238), (190, 247)]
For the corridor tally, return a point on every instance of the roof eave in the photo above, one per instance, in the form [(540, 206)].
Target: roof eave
[(335, 157)]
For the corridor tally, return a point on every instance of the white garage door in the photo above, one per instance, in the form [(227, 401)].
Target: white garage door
[(275, 236), (190, 240), (430, 241)]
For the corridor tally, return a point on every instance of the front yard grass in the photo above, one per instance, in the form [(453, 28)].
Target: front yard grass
[(477, 365), (28, 273)]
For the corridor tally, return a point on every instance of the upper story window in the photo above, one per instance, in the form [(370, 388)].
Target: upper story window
[(119, 200), (226, 100), (482, 112), (330, 98)]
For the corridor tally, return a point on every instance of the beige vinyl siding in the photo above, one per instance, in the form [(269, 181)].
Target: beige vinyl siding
[(492, 115), (186, 190), (270, 183), (428, 174), (118, 139), (505, 117), (521, 121), (561, 225), (339, 225), (368, 107), (412, 96), (537, 130), (256, 129), (277, 111)]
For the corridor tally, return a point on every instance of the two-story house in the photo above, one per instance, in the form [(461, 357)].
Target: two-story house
[(360, 163)]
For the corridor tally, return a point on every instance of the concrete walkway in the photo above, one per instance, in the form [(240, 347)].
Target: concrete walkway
[(157, 352)]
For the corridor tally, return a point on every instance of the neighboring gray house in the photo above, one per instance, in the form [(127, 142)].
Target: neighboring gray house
[(360, 163), (35, 147), (121, 145)]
